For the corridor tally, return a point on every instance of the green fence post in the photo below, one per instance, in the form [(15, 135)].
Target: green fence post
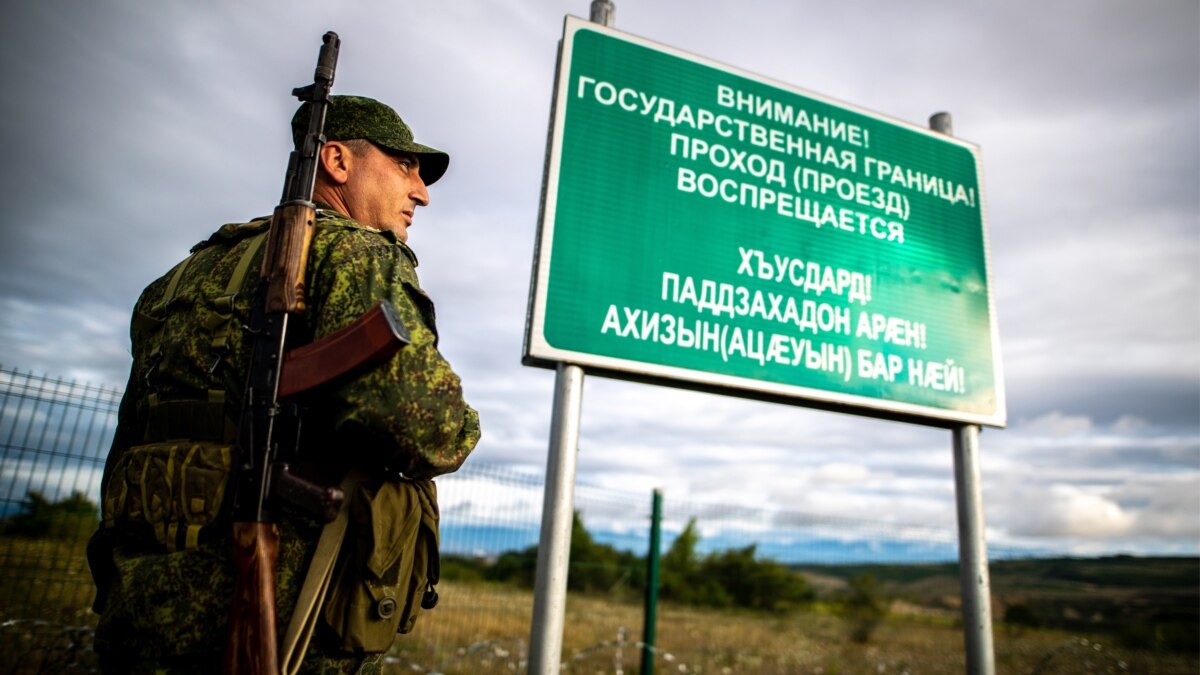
[(651, 612)]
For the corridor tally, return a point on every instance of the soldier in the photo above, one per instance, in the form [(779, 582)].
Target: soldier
[(162, 557)]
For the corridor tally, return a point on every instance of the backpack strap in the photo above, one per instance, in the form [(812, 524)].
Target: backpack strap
[(224, 302), (201, 420), (172, 286), (155, 319)]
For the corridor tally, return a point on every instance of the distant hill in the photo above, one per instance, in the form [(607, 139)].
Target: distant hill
[(1140, 600), (1038, 574)]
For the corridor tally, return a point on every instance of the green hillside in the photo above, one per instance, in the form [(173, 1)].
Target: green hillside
[(1143, 601)]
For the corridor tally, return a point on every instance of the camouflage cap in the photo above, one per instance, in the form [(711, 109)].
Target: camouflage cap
[(352, 117)]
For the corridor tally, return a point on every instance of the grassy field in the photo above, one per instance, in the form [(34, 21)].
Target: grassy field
[(45, 606), (483, 628)]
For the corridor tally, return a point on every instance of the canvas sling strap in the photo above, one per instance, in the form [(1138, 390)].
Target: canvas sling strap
[(316, 583)]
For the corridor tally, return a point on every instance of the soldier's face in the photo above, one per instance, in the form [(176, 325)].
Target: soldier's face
[(385, 190)]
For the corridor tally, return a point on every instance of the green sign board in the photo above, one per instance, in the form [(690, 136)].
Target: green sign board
[(708, 227)]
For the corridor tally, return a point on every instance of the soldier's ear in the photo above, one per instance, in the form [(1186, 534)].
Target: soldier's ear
[(335, 161)]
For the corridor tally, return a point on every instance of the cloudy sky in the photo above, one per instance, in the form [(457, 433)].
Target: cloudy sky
[(135, 128)]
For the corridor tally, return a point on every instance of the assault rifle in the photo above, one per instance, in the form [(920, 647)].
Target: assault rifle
[(269, 428)]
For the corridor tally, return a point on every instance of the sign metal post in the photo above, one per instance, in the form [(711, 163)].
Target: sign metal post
[(558, 511), (558, 502)]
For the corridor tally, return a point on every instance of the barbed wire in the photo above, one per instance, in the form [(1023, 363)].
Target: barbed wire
[(50, 647)]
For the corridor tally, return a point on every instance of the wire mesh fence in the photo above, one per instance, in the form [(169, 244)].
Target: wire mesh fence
[(728, 592)]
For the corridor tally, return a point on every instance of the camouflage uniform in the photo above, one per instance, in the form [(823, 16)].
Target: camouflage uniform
[(167, 611)]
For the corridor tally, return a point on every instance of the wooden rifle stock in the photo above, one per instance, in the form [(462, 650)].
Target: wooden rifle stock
[(252, 647)]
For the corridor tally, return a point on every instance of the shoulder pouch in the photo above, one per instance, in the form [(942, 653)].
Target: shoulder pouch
[(388, 565)]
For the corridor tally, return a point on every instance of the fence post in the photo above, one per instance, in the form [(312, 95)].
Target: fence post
[(650, 618)]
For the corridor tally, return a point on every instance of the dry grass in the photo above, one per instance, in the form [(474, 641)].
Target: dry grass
[(49, 576), (485, 629)]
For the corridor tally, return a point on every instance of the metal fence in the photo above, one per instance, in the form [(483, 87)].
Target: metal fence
[(55, 435)]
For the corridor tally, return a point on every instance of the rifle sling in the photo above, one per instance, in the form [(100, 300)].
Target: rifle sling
[(316, 583)]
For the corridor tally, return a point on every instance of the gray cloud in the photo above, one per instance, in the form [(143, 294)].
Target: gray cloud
[(145, 126)]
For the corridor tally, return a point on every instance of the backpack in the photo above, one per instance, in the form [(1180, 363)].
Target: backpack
[(174, 485)]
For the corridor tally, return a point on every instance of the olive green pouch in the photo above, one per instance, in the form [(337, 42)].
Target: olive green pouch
[(173, 489), (388, 565)]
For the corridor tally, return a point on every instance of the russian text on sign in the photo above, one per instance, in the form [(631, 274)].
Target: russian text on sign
[(784, 113)]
